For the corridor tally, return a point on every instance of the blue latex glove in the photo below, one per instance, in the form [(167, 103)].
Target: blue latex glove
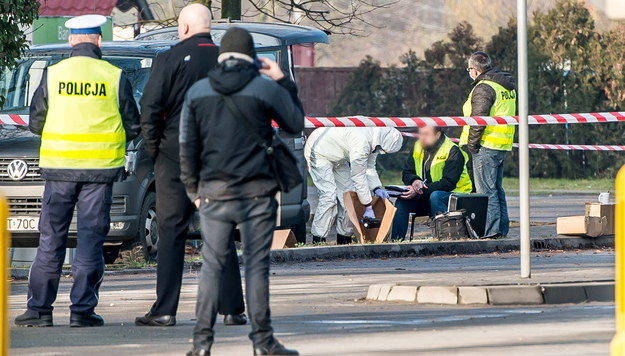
[(368, 213), (382, 193)]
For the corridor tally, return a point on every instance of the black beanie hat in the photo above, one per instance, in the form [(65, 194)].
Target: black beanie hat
[(237, 40)]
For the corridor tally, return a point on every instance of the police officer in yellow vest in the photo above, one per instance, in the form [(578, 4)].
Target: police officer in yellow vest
[(436, 168), (85, 112), (493, 94)]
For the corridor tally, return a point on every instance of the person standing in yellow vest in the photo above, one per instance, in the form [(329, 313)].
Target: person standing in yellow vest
[(436, 168), (493, 94), (85, 112)]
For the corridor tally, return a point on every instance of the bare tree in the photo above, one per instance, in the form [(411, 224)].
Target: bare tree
[(336, 16)]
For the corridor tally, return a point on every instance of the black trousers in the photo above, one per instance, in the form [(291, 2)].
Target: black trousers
[(93, 204), (256, 219), (174, 212)]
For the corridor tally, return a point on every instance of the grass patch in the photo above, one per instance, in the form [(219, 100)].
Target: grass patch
[(553, 184), (536, 184)]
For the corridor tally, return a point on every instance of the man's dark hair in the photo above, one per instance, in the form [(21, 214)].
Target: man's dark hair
[(481, 62)]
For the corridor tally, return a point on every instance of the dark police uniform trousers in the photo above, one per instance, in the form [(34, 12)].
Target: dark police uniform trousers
[(93, 205), (174, 211)]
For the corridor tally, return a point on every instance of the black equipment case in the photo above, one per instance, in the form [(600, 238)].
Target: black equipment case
[(475, 207)]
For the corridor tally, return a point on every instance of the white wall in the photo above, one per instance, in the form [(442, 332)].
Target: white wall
[(614, 9)]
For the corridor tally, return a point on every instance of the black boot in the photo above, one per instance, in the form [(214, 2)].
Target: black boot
[(318, 240), (343, 239), (32, 318), (274, 348), (155, 320), (235, 319), (85, 320)]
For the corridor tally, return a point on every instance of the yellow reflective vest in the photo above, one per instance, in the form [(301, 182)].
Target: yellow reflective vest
[(496, 137), (437, 166), (83, 127)]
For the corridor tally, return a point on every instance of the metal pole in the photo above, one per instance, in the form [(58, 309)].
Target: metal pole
[(526, 271)]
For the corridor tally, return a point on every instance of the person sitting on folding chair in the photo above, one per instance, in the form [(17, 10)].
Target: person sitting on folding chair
[(436, 169)]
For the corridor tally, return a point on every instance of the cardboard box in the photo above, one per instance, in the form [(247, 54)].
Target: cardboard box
[(283, 239), (383, 209), (603, 210), (592, 226)]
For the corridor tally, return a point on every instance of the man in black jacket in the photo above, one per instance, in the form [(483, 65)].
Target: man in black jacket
[(173, 73), (436, 168), (228, 177)]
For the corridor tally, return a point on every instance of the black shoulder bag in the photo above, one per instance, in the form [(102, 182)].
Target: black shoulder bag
[(282, 161)]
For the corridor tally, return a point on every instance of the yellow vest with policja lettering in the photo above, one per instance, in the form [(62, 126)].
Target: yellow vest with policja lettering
[(83, 127), (437, 166), (496, 137)]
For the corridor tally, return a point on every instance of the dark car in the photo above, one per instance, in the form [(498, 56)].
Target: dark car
[(133, 216)]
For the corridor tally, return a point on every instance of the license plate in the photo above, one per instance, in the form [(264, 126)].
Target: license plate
[(23, 223)]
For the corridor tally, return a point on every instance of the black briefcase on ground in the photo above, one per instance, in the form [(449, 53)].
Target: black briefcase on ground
[(450, 226), (475, 207)]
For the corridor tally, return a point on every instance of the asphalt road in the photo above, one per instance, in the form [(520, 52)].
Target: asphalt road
[(317, 307)]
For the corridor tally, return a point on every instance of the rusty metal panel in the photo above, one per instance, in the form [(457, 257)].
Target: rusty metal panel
[(319, 87)]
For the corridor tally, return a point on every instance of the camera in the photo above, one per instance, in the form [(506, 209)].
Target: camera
[(371, 223)]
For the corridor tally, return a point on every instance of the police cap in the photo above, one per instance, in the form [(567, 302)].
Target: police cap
[(85, 24)]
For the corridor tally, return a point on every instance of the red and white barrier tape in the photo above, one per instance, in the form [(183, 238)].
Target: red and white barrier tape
[(547, 146), (448, 121), (360, 121), (14, 119)]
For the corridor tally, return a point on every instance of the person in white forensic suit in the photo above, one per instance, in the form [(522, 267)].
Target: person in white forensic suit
[(341, 160)]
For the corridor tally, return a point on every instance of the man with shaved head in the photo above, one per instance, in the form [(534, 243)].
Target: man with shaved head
[(173, 73)]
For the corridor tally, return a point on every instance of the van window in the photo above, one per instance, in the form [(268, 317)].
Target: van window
[(18, 85)]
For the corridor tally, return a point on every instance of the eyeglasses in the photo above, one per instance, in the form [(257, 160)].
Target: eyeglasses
[(469, 69)]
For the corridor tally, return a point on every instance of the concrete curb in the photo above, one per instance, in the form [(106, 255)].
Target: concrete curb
[(531, 294), (434, 248)]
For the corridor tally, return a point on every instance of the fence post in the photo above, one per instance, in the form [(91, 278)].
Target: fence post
[(618, 343), (5, 239)]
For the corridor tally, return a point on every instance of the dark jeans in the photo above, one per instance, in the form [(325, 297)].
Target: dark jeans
[(488, 172), (256, 219), (174, 211), (93, 205), (422, 205)]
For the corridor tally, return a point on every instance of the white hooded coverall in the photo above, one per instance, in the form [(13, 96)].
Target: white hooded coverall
[(341, 160)]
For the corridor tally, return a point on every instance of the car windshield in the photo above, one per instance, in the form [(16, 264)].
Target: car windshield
[(260, 40), (18, 85)]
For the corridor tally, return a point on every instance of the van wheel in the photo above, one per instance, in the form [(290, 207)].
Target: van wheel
[(110, 254), (148, 230)]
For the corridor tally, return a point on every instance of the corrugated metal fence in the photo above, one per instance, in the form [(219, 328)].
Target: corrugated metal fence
[(320, 87)]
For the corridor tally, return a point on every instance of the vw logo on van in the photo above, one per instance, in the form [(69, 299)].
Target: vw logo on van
[(17, 169)]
